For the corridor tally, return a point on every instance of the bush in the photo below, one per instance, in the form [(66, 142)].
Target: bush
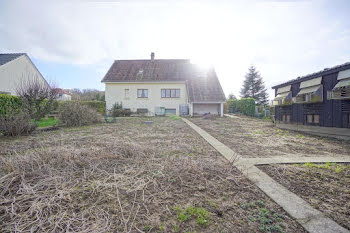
[(118, 111), (16, 123), (37, 96), (77, 114), (9, 104), (244, 105), (99, 106)]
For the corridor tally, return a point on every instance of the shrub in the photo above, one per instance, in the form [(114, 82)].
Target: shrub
[(9, 103), (76, 114), (244, 105), (37, 96), (118, 111), (99, 106), (16, 123)]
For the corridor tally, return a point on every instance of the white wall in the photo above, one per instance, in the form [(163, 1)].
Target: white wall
[(64, 97), (200, 109), (14, 71), (115, 92)]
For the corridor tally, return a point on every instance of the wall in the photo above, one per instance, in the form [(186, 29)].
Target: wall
[(115, 92), (14, 71), (200, 109), (330, 111), (64, 97)]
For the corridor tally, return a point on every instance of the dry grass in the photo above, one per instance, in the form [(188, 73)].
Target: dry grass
[(252, 137), (125, 177), (326, 187)]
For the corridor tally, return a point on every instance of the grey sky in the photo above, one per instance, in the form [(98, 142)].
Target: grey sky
[(283, 39)]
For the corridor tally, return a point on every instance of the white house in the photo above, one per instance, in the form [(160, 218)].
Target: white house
[(14, 68), (157, 86), (63, 95)]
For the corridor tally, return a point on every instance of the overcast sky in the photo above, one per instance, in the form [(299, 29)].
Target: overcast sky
[(75, 42)]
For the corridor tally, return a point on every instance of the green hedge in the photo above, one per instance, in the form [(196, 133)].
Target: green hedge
[(245, 106), (9, 103), (99, 106)]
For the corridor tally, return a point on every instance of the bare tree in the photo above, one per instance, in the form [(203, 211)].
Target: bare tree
[(87, 94), (37, 96)]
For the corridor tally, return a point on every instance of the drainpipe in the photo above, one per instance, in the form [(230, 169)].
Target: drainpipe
[(191, 109)]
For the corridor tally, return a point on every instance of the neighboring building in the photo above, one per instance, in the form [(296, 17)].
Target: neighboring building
[(158, 86), (316, 103), (63, 95), (15, 67)]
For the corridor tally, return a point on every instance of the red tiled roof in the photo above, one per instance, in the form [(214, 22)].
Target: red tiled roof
[(61, 91)]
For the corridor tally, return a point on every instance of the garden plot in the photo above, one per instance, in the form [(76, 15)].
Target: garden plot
[(325, 186), (128, 177), (251, 137)]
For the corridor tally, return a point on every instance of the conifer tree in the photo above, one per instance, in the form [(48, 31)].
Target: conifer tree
[(254, 87)]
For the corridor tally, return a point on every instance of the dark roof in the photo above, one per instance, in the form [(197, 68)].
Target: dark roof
[(203, 85), (7, 57), (323, 72)]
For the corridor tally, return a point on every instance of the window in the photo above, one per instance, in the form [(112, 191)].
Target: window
[(142, 93), (310, 95), (170, 93), (309, 118), (313, 119), (126, 93), (286, 118)]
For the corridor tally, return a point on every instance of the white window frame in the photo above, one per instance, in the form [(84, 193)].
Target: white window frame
[(142, 93)]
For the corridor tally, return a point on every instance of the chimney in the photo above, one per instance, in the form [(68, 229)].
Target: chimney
[(152, 56)]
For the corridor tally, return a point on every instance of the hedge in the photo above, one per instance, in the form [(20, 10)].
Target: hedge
[(99, 106), (245, 106), (9, 103)]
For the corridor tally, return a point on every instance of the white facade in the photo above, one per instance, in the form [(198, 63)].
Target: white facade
[(64, 97), (16, 70), (126, 93)]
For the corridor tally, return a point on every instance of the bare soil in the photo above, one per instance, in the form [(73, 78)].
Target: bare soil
[(128, 177), (252, 137), (326, 187)]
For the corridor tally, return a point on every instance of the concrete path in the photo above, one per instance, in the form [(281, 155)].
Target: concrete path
[(311, 219)]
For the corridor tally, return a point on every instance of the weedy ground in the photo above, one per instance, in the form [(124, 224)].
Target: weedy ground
[(325, 186), (128, 177), (252, 137)]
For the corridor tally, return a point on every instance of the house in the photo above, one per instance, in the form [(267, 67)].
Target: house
[(163, 86), (63, 95), (317, 103), (15, 67)]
